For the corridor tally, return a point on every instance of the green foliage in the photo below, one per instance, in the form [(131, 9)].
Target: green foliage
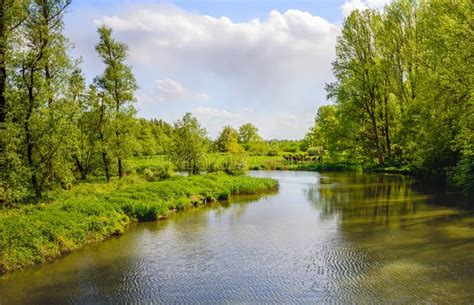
[(189, 144), (117, 85), (273, 153), (257, 148), (235, 166), (148, 174), (248, 133), (228, 141), (403, 92)]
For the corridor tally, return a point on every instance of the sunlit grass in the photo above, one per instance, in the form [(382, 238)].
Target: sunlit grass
[(95, 211)]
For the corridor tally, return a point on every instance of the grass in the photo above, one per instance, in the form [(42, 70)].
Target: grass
[(277, 163), (92, 212)]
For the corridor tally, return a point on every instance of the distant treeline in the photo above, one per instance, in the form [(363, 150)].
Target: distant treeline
[(403, 95)]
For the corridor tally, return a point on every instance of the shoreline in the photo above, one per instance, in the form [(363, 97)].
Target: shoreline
[(92, 213)]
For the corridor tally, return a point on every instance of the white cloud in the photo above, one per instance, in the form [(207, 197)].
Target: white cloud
[(174, 39), (277, 65), (214, 119), (213, 113), (170, 90), (351, 5)]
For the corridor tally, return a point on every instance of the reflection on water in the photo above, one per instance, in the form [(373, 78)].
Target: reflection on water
[(324, 238)]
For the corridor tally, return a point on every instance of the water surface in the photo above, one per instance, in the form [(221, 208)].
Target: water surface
[(323, 238)]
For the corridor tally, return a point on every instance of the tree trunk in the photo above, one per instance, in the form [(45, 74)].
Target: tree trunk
[(120, 168), (29, 143), (3, 69), (387, 129), (106, 165), (81, 168), (375, 130)]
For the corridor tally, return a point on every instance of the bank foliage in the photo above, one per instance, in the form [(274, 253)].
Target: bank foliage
[(403, 95), (92, 212)]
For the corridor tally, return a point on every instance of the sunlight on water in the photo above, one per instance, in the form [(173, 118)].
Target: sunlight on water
[(324, 238)]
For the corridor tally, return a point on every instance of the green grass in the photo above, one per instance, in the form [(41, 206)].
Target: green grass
[(278, 163), (95, 211)]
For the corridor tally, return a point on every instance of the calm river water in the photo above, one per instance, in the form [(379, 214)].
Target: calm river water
[(323, 238)]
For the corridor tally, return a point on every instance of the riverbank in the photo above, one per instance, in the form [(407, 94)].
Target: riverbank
[(273, 163), (92, 212)]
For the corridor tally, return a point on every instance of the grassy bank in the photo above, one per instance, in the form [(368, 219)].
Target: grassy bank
[(276, 163), (93, 212)]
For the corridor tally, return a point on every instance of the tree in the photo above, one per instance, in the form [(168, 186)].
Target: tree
[(356, 71), (90, 126), (228, 141), (41, 116), (146, 141), (12, 15), (248, 133), (163, 134), (189, 144), (118, 86), (403, 90)]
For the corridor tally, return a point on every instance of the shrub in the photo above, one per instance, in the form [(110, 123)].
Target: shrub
[(313, 151), (273, 153), (164, 170), (214, 167), (148, 174), (235, 166)]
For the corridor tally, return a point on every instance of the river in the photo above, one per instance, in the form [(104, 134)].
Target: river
[(323, 238)]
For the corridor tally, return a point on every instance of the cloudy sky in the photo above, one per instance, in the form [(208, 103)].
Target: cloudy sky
[(226, 61)]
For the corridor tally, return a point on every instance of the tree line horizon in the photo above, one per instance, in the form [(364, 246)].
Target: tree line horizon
[(402, 98)]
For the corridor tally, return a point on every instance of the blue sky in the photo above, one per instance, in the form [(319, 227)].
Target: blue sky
[(227, 62)]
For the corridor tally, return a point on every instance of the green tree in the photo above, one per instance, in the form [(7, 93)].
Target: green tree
[(248, 133), (357, 74), (118, 86), (189, 144), (41, 116), (146, 141), (163, 134), (228, 141)]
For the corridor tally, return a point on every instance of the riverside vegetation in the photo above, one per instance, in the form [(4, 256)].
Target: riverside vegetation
[(402, 101), (95, 211)]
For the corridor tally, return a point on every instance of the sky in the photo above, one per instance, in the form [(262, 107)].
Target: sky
[(227, 62)]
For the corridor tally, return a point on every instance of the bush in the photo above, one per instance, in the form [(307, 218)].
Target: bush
[(235, 166), (148, 174), (463, 175), (214, 167), (313, 151), (273, 153), (164, 170)]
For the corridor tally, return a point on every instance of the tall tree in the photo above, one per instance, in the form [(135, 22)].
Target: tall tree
[(189, 144), (119, 84), (228, 141), (356, 72), (248, 133), (12, 14), (42, 117)]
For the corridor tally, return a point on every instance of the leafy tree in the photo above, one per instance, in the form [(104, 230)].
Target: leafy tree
[(12, 14), (228, 141), (41, 116), (189, 144), (118, 86), (146, 142), (248, 133), (163, 135), (403, 91)]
